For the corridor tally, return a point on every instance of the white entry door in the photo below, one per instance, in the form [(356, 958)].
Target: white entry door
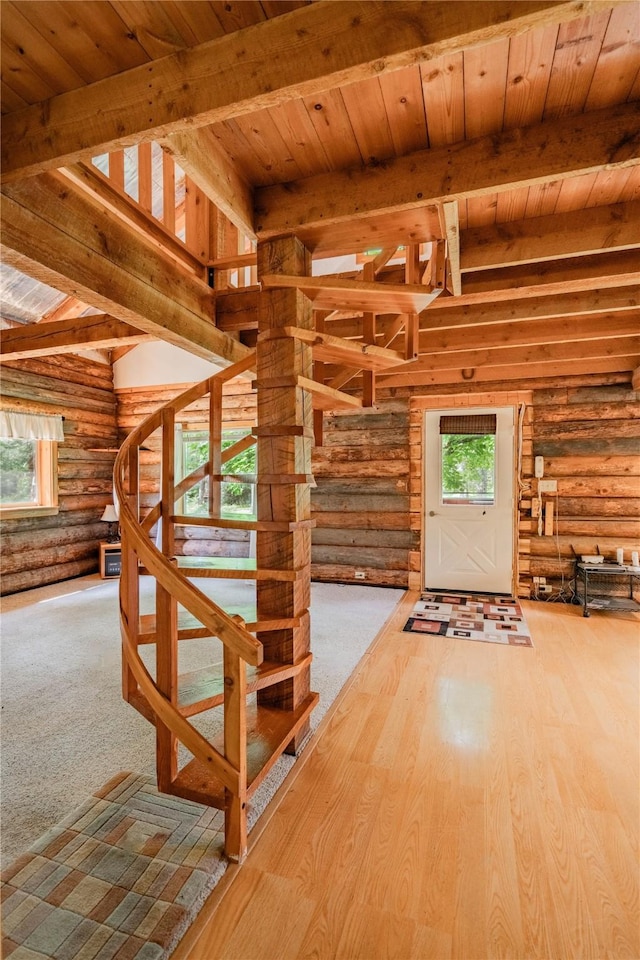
[(469, 499)]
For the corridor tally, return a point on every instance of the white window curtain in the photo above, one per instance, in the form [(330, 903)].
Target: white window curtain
[(30, 426)]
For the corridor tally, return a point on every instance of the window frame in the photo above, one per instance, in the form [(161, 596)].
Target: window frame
[(184, 435), (46, 471)]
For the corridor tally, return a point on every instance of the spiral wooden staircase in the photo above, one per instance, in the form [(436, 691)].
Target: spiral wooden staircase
[(260, 683), (223, 773)]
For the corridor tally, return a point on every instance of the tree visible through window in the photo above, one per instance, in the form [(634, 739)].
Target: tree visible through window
[(468, 468), (27, 476), (237, 497)]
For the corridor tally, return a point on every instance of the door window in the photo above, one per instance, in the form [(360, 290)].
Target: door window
[(468, 459)]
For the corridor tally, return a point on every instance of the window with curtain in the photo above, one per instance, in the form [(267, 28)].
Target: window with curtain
[(28, 463)]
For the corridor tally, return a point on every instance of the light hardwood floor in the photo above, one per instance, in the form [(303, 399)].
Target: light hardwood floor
[(464, 800)]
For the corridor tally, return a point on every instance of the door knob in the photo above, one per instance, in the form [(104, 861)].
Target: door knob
[(432, 513)]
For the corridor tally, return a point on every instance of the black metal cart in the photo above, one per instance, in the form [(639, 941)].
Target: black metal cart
[(593, 579)]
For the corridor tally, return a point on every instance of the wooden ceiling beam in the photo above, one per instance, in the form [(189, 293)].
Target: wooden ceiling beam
[(49, 232), (201, 157), (68, 336), (544, 278), (451, 233), (566, 328), (561, 235), (253, 68), (600, 271), (554, 150), (532, 308), (465, 377), (512, 356), (237, 310), (486, 315), (557, 330)]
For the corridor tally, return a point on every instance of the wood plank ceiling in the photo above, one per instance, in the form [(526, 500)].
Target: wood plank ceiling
[(353, 125)]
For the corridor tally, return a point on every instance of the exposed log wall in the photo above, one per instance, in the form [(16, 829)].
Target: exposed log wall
[(590, 440), (41, 550), (362, 500), (239, 410), (368, 499)]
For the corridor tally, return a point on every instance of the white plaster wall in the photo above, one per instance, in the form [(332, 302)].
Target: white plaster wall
[(157, 363)]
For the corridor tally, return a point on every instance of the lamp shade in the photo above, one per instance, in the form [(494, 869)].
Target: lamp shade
[(110, 515)]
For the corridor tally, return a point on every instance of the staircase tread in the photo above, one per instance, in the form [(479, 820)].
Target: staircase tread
[(333, 349), (269, 730), (203, 689), (237, 524), (327, 398), (189, 627), (239, 568), (337, 293)]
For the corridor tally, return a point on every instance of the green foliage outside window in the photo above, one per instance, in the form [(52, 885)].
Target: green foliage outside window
[(18, 478), (468, 468), (237, 497)]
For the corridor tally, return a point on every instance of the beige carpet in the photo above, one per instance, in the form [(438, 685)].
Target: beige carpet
[(66, 730)]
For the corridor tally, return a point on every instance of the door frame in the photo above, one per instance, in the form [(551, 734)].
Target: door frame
[(484, 407)]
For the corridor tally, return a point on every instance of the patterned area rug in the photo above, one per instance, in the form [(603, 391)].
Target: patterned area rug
[(121, 878), (470, 617)]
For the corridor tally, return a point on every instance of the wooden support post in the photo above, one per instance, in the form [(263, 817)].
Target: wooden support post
[(439, 266), (280, 408), (235, 750), (166, 614), (167, 683), (130, 611), (215, 447), (129, 576), (318, 374), (412, 322), (369, 336)]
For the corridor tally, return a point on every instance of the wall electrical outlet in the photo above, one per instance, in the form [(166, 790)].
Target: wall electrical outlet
[(545, 588), (359, 574), (547, 486)]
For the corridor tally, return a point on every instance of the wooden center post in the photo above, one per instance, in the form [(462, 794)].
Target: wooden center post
[(285, 436)]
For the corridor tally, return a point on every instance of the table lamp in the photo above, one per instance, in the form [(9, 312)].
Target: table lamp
[(111, 517)]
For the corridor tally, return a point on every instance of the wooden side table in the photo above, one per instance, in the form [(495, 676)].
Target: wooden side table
[(110, 559)]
